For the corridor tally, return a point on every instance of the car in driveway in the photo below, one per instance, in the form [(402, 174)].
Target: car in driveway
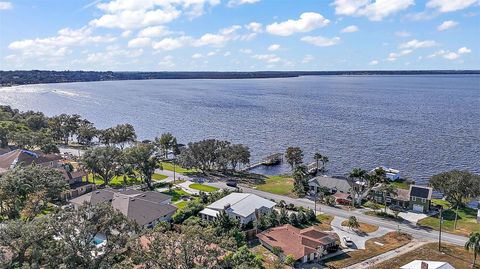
[(347, 241), (232, 183)]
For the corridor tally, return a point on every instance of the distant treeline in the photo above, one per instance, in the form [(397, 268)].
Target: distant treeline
[(8, 78)]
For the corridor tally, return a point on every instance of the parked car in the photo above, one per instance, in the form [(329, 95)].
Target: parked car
[(347, 241), (232, 183), (396, 208)]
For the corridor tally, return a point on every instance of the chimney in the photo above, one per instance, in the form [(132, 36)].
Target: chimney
[(424, 265), (227, 206)]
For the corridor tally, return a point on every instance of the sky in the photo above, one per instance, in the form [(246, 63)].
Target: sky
[(239, 35)]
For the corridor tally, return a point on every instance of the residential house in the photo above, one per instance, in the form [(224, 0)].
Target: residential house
[(401, 198), (338, 187), (75, 182), (244, 207), (304, 245), (420, 198), (418, 264), (17, 157), (145, 208)]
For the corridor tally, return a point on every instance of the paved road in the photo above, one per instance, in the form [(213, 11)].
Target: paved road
[(416, 231)]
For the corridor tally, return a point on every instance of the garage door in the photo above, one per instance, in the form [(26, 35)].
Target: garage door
[(418, 208)]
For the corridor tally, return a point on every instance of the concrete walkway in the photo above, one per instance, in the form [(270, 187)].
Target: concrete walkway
[(357, 238), (370, 263)]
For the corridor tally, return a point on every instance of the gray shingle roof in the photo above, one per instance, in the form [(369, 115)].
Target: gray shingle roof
[(339, 184), (94, 197)]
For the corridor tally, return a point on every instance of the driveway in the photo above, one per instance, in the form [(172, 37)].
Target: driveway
[(412, 217)]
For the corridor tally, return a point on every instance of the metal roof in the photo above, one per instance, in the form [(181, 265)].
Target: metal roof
[(242, 204)]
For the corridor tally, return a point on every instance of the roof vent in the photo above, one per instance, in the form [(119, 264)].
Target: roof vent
[(226, 206)]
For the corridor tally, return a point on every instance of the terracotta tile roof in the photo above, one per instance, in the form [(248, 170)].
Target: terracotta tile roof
[(25, 157), (295, 241)]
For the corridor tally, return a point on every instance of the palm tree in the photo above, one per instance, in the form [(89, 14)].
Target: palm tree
[(473, 243), (353, 223), (358, 175), (317, 157), (324, 161), (387, 190)]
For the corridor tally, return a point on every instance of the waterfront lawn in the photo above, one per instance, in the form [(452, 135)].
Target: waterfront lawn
[(364, 227), (201, 187), (466, 224), (390, 241), (281, 185), (169, 167), (176, 194), (159, 176), (401, 185), (457, 256)]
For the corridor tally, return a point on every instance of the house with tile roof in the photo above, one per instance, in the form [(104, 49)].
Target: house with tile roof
[(18, 157), (145, 208), (304, 245), (245, 207)]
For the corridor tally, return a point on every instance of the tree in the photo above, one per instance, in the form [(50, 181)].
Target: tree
[(353, 223), (79, 228), (238, 154), (311, 215), (123, 134), (86, 132), (357, 181), (28, 189), (294, 156), (103, 161), (191, 209), (64, 126), (473, 244), (125, 169), (143, 159), (317, 157), (324, 160), (293, 219), (302, 218), (225, 222), (289, 260), (300, 183), (272, 217), (283, 217), (165, 143), (387, 191), (243, 258)]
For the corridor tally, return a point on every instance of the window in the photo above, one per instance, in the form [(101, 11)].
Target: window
[(424, 200), (414, 199)]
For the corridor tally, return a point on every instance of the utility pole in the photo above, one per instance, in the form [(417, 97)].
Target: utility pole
[(173, 170), (440, 231)]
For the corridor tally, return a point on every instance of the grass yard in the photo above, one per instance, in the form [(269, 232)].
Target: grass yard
[(324, 222), (176, 194), (281, 185), (169, 166), (390, 241), (159, 176), (201, 187), (400, 185), (457, 256), (181, 204), (466, 224), (364, 227)]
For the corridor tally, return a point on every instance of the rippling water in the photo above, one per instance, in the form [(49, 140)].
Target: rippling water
[(419, 124)]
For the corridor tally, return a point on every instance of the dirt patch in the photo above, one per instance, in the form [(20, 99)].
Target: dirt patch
[(456, 256), (388, 242), (364, 227)]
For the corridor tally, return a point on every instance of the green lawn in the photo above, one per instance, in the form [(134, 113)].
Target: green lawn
[(176, 194), (158, 176), (169, 166), (202, 187), (181, 204), (467, 220), (282, 185), (401, 185)]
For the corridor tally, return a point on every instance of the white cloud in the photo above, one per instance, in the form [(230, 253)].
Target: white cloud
[(321, 41), (273, 47), (172, 43), (402, 34), (307, 58), (307, 22), (394, 55), (447, 25), (450, 55), (197, 56), (112, 54), (421, 16), (464, 50), (167, 61), (6, 5), (415, 44), (246, 51), (126, 33), (210, 39), (128, 14), (230, 30), (59, 45), (450, 5), (154, 31), (139, 42), (373, 62), (269, 58), (234, 3), (254, 27), (350, 29), (373, 10)]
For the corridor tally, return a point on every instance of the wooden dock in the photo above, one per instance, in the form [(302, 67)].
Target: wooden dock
[(272, 159)]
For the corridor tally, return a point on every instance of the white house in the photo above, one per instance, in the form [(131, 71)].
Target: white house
[(418, 264), (244, 207), (390, 173)]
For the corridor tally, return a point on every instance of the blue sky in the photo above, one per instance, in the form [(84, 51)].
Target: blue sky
[(239, 35)]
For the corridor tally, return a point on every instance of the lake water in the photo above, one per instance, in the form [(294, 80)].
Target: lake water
[(420, 125)]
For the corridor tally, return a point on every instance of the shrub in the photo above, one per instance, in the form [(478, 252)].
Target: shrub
[(289, 260)]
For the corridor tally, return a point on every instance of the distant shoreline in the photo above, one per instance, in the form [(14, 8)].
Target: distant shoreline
[(13, 78)]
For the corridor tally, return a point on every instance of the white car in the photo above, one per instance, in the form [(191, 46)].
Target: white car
[(347, 241)]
